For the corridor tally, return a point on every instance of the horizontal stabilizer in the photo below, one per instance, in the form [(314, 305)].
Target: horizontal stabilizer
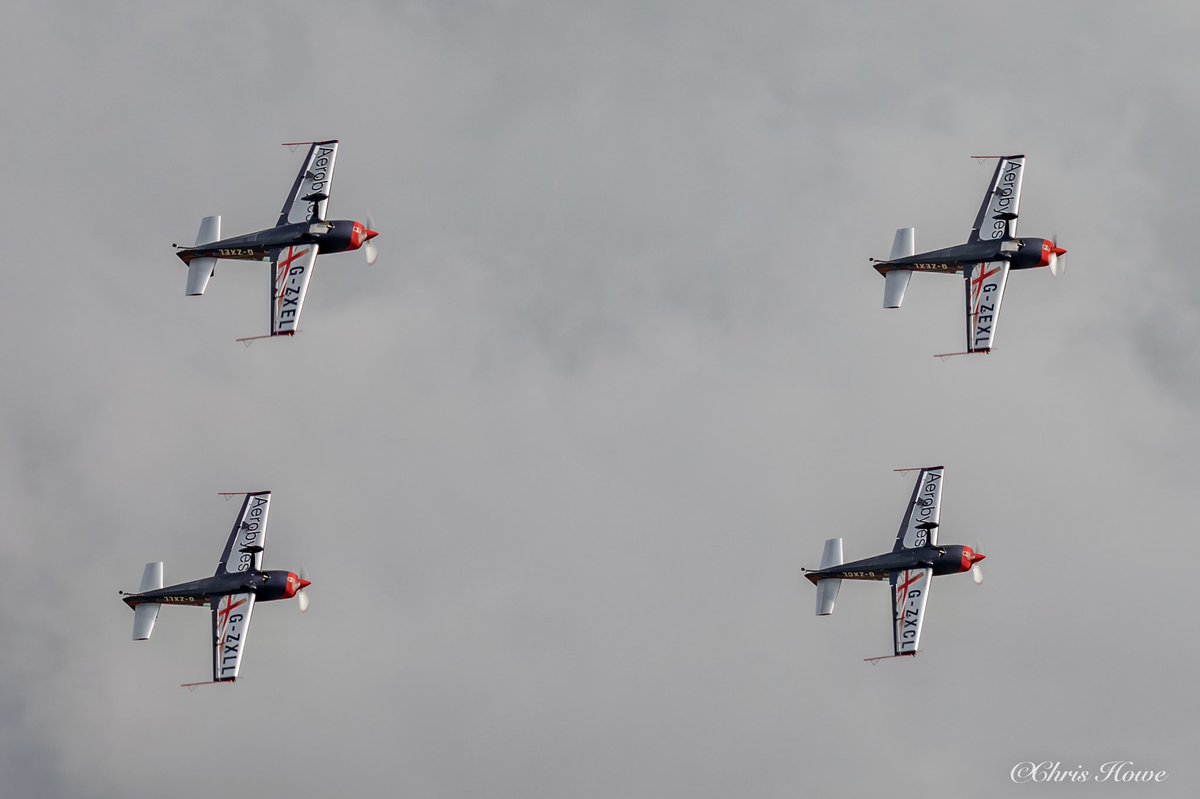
[(827, 591), (144, 616), (152, 577), (827, 587), (894, 286), (210, 230), (905, 243), (832, 556), (199, 271)]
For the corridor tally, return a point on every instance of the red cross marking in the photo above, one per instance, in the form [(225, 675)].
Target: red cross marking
[(281, 273), (223, 614), (907, 582)]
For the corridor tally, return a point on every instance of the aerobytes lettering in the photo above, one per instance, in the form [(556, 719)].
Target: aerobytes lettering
[(924, 508), (318, 176), (250, 530), (1004, 198)]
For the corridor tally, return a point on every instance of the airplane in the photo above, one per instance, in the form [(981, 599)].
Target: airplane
[(292, 245), (913, 562), (991, 251), (231, 593)]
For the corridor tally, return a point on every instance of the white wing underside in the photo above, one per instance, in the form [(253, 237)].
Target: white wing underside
[(921, 518), (309, 198), (997, 217), (985, 284), (231, 623), (910, 590), (291, 269), (244, 549)]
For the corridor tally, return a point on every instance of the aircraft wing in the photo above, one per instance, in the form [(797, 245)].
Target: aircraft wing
[(997, 218), (985, 289), (231, 622), (291, 269), (920, 525), (243, 550), (309, 196), (910, 590)]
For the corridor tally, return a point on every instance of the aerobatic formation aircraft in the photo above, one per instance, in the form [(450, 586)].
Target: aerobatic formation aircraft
[(292, 245), (913, 562), (231, 593), (991, 251)]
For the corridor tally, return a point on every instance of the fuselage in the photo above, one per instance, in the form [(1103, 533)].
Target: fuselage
[(338, 235), (1021, 253), (266, 585), (951, 559)]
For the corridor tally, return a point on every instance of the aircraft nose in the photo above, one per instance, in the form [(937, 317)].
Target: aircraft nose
[(976, 557), (306, 583), (1058, 250), (369, 234)]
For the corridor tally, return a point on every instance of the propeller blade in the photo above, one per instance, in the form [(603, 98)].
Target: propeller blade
[(302, 594), (1058, 261), (371, 252), (977, 574)]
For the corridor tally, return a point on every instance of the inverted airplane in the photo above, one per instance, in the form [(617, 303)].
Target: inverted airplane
[(915, 559), (991, 251), (292, 245), (231, 593)]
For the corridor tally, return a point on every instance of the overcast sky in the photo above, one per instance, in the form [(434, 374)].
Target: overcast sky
[(555, 462)]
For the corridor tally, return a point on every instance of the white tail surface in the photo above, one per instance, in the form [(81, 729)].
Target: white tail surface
[(201, 269), (904, 245), (152, 577), (896, 281), (144, 616), (827, 591), (210, 230), (832, 556)]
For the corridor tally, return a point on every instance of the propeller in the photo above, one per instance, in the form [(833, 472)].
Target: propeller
[(369, 248), (1058, 258), (976, 569), (302, 594)]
